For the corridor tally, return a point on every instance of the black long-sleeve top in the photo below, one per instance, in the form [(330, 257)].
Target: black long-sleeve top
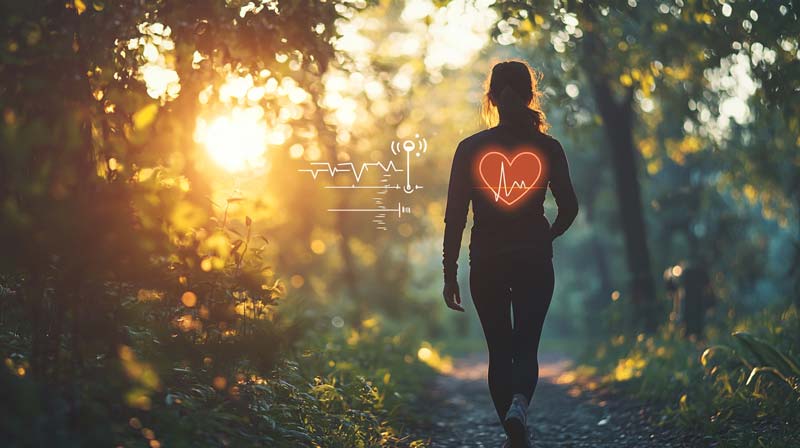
[(498, 228)]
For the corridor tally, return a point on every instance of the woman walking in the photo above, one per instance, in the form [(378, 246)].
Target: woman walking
[(504, 171)]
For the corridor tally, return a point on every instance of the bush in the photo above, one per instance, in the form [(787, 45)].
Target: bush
[(334, 389), (737, 389)]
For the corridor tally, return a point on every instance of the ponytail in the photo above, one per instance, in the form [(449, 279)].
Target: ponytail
[(512, 97), (514, 110)]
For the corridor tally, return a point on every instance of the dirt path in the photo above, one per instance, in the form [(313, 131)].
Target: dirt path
[(562, 414)]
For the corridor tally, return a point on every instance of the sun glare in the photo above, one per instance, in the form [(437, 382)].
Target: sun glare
[(236, 141)]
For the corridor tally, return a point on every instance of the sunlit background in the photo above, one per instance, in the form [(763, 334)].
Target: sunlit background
[(250, 128), (164, 143)]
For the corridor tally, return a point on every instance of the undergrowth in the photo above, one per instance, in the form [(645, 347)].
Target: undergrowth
[(337, 389), (735, 388)]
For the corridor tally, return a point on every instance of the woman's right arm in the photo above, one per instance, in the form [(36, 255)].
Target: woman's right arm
[(563, 192), (455, 216)]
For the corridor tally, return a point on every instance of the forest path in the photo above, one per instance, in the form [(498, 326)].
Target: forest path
[(562, 414)]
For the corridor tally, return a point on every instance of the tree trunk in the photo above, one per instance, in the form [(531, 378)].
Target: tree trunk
[(618, 125), (618, 120)]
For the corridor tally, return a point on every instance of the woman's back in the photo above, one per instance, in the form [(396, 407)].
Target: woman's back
[(504, 172)]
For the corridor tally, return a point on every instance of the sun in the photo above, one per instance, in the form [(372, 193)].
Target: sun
[(236, 141)]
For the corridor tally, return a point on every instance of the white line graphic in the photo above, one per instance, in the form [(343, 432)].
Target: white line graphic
[(349, 167), (400, 210)]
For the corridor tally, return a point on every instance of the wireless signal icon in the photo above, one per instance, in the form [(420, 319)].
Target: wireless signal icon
[(420, 145), (409, 146)]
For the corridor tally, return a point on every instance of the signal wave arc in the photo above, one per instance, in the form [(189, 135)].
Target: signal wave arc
[(349, 167), (503, 190)]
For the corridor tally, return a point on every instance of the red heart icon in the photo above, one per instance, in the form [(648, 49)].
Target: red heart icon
[(509, 180)]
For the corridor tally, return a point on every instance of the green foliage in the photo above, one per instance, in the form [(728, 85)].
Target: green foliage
[(343, 389), (138, 307), (739, 391), (139, 292), (769, 359)]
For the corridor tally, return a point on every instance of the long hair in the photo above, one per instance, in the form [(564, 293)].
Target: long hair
[(512, 96)]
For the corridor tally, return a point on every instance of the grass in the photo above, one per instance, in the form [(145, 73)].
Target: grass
[(731, 389)]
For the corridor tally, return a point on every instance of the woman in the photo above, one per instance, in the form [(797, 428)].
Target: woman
[(504, 172)]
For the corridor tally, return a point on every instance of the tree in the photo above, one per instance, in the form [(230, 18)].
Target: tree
[(104, 191), (631, 54)]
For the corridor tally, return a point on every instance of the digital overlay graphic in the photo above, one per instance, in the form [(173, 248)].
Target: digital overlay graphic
[(381, 208), (509, 176)]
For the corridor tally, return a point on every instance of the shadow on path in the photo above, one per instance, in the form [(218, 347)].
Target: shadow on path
[(562, 413)]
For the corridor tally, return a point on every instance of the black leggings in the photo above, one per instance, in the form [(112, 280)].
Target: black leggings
[(496, 286)]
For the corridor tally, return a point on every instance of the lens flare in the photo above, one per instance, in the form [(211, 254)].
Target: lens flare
[(236, 141)]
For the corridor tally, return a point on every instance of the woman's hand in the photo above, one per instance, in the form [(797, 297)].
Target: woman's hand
[(452, 296)]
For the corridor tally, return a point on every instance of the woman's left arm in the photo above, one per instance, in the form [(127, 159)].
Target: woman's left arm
[(455, 217), (564, 194)]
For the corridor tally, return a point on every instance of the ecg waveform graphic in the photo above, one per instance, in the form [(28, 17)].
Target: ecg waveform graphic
[(349, 167), (495, 169), (502, 185), (385, 181)]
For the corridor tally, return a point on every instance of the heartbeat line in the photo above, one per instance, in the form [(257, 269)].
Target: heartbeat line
[(502, 185), (523, 171), (349, 167)]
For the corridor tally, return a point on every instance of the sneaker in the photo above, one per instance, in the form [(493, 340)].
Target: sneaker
[(515, 422)]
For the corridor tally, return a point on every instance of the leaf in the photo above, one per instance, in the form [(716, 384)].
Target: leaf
[(248, 222), (145, 116), (715, 353), (768, 355), (756, 372)]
